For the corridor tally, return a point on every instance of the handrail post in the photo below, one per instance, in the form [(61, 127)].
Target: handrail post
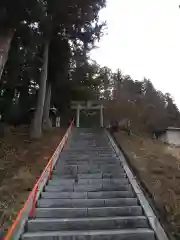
[(34, 201), (50, 171)]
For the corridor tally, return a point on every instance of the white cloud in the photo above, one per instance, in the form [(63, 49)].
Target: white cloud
[(143, 40)]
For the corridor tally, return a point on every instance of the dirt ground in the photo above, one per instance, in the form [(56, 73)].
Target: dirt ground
[(158, 168), (21, 162)]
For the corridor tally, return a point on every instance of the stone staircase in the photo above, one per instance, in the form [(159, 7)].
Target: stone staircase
[(89, 196)]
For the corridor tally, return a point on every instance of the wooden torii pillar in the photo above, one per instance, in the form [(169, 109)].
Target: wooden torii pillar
[(89, 105)]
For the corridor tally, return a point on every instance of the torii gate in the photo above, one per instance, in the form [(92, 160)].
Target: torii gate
[(87, 105)]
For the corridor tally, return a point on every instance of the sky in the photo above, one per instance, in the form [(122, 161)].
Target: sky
[(143, 40)]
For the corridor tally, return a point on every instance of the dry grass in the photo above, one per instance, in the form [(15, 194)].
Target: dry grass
[(158, 168), (21, 162)]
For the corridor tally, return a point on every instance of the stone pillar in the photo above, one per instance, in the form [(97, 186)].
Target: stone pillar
[(77, 115), (58, 121), (101, 116)]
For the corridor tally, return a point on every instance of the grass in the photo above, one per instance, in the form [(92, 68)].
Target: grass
[(21, 163), (158, 168)]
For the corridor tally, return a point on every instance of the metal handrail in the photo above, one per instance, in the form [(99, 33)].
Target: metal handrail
[(27, 211)]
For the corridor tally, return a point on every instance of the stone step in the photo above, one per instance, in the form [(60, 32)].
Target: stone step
[(94, 159), (60, 212), (83, 176), (89, 148), (91, 163), (98, 164), (88, 157), (97, 223), (90, 195), (67, 171), (88, 212), (89, 151), (87, 154), (85, 169), (93, 148), (118, 174), (88, 188), (127, 234), (78, 203), (58, 182), (89, 176), (88, 165), (81, 145)]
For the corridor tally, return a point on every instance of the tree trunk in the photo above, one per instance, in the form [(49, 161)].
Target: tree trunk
[(46, 119), (5, 44), (36, 130)]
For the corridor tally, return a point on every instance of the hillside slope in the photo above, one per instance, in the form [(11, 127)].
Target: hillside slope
[(157, 166), (21, 163)]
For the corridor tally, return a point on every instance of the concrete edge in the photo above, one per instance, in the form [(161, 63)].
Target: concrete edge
[(153, 220)]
